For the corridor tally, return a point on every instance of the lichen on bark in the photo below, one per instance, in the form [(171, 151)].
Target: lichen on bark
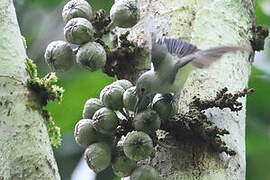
[(45, 90), (44, 87)]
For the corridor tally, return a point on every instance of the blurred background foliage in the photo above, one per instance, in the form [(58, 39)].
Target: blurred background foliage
[(40, 22)]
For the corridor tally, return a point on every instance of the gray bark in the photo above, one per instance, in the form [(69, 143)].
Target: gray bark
[(25, 151), (207, 23)]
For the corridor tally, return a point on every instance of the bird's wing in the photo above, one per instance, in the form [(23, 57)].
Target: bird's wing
[(177, 47), (164, 47), (204, 58)]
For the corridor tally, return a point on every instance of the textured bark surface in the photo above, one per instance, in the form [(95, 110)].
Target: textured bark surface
[(207, 23), (25, 150)]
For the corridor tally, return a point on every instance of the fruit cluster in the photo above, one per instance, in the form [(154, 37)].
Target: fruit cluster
[(113, 133), (109, 131), (81, 32)]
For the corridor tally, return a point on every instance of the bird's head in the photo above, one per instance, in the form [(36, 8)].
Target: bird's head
[(145, 89)]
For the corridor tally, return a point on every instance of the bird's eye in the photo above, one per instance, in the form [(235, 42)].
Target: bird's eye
[(142, 89)]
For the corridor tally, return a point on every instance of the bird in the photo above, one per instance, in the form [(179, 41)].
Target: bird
[(171, 59)]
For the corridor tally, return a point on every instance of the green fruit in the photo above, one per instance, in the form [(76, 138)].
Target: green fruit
[(145, 173), (123, 83), (112, 97), (138, 145), (98, 156), (147, 121), (91, 56), (123, 166), (125, 13), (90, 107), (59, 56), (77, 8), (79, 31), (84, 133), (163, 106), (130, 99), (105, 121)]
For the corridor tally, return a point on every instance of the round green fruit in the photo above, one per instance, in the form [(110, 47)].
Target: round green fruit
[(112, 97), (130, 99), (145, 173), (90, 107), (125, 13), (75, 9), (123, 83), (91, 56), (79, 31), (98, 156), (162, 104), (123, 166), (138, 145), (105, 121), (84, 133), (59, 56)]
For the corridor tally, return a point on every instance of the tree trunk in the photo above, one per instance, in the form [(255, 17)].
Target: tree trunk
[(25, 151), (207, 23)]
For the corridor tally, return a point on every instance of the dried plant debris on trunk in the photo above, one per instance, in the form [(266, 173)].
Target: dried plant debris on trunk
[(194, 127), (259, 35), (222, 100), (121, 59), (102, 23)]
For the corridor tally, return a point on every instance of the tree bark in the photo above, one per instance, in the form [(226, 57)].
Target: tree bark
[(25, 151), (207, 23)]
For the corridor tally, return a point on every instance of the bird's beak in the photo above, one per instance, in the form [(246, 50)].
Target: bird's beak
[(142, 103)]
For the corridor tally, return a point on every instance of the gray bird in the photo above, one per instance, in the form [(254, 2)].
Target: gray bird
[(170, 58)]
